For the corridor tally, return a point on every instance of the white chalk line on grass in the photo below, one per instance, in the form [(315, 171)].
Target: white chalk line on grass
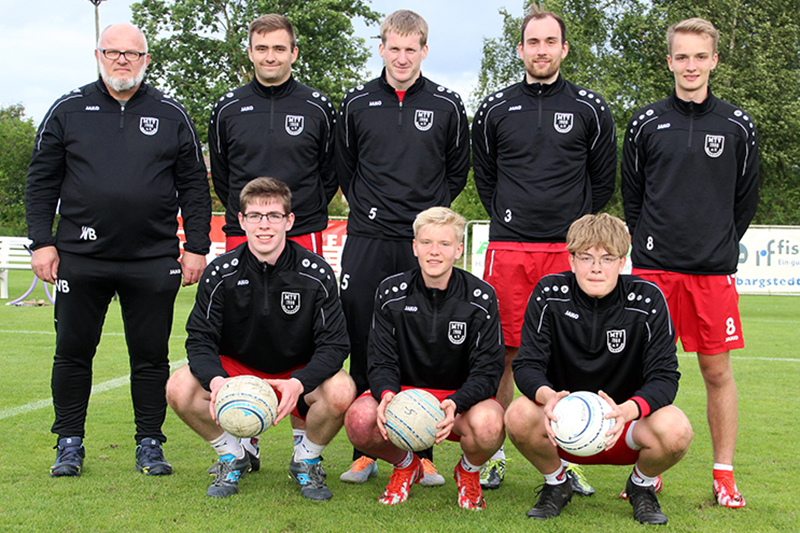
[(96, 389)]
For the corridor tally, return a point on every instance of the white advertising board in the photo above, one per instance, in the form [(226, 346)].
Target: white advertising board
[(769, 261)]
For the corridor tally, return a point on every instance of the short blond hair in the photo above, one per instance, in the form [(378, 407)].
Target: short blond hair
[(440, 216), (694, 25), (601, 231), (403, 23)]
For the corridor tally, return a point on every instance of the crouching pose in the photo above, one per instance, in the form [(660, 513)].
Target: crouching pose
[(597, 330), (435, 327), (267, 308)]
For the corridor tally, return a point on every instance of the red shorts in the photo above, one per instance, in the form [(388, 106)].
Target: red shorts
[(237, 368), (309, 241), (704, 309), (514, 269), (439, 394), (624, 451)]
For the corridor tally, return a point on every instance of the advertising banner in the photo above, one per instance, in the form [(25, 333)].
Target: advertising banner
[(769, 261)]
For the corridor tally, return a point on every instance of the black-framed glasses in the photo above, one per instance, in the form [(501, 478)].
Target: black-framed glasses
[(272, 218), (130, 55)]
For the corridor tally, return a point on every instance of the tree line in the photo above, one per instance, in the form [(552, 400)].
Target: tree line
[(617, 48)]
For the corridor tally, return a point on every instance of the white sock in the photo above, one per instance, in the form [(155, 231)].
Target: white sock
[(405, 461), (640, 479), (469, 467), (298, 435), (227, 443), (499, 455), (720, 466), (307, 450), (556, 478)]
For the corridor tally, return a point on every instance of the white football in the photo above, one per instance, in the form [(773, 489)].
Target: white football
[(581, 427), (245, 406), (411, 419)]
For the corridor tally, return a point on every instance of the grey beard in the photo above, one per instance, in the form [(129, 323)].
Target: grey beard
[(121, 85)]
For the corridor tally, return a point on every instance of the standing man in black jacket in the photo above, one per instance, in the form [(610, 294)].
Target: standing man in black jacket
[(274, 126), (435, 327), (593, 329), (690, 190), (402, 146), (268, 308), (545, 154), (116, 159)]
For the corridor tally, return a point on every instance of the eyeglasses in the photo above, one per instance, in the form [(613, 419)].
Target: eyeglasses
[(272, 218), (587, 261), (113, 55)]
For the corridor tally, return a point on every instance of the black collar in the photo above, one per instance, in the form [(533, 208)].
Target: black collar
[(544, 89), (273, 91), (693, 108)]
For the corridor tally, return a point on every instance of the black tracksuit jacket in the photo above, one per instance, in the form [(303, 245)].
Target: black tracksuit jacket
[(689, 184), (283, 131), (623, 343), (118, 176), (436, 339), (273, 318)]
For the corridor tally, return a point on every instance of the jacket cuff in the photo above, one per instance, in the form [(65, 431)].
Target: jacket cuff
[(644, 407)]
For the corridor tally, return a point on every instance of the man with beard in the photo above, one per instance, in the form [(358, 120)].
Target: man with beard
[(116, 159), (544, 155)]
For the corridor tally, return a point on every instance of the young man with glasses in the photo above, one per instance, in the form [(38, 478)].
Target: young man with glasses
[(268, 308), (274, 126), (594, 329), (116, 159)]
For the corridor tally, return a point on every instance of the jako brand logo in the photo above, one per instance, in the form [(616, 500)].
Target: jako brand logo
[(784, 247)]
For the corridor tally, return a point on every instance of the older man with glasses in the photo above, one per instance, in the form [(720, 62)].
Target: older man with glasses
[(116, 159)]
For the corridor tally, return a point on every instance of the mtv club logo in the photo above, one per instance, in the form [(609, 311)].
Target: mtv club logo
[(148, 125), (423, 120), (615, 339), (563, 122), (715, 144), (294, 125), (457, 332), (290, 302)]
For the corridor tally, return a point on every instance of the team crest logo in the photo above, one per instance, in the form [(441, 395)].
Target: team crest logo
[(290, 302), (294, 125), (562, 122), (615, 339), (457, 332), (715, 144), (148, 125), (423, 120)]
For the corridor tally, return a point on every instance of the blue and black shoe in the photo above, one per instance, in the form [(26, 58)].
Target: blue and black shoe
[(69, 457)]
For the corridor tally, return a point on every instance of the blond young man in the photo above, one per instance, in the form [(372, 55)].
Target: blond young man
[(595, 329), (402, 146), (435, 327), (690, 190)]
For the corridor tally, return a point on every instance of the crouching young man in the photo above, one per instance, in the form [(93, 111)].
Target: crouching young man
[(268, 308), (597, 330), (434, 327)]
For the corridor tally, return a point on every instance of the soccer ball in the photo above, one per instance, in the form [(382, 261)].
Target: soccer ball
[(581, 427), (411, 419), (245, 406)]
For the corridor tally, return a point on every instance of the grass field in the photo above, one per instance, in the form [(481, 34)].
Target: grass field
[(112, 496)]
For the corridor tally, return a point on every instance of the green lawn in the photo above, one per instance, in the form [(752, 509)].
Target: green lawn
[(112, 496)]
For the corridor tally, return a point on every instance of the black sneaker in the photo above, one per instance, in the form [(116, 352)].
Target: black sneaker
[(578, 481), (251, 448), (227, 472), (69, 457), (552, 498), (311, 478), (645, 504), (150, 459)]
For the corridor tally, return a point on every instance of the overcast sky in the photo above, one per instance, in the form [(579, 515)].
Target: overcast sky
[(46, 46)]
